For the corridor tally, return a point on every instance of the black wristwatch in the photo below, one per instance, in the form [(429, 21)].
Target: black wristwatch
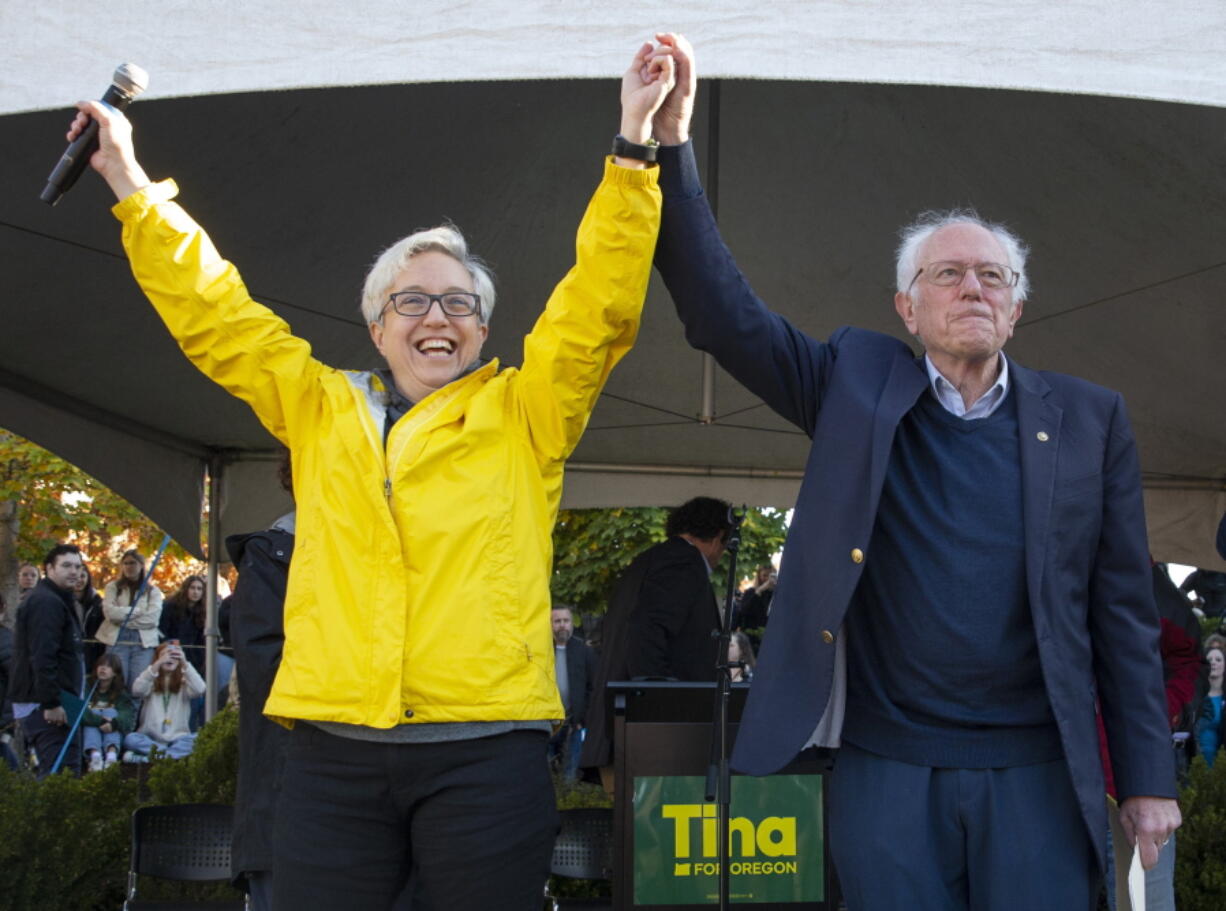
[(624, 148)]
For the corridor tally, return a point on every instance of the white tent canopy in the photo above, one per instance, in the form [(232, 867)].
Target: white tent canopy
[(1169, 51), (307, 136)]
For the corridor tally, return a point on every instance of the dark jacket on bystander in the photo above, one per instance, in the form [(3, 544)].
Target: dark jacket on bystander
[(258, 635), (47, 649)]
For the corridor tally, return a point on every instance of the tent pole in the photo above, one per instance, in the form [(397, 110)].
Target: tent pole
[(706, 412), (211, 634)]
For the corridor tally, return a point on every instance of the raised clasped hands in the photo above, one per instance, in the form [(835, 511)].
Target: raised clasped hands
[(671, 123), (645, 85)]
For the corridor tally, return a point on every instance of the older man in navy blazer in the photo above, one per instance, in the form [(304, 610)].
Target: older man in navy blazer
[(966, 581)]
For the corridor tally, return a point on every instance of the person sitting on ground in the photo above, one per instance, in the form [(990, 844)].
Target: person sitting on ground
[(183, 615), (110, 716), (135, 644), (167, 686), (741, 649)]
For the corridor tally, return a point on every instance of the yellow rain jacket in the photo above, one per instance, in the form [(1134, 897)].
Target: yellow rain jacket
[(419, 588)]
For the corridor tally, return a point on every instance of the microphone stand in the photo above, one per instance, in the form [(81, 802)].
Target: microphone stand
[(719, 779)]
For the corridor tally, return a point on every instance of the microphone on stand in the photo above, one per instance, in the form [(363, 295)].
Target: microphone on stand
[(128, 82)]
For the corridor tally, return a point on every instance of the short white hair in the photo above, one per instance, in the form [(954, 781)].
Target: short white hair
[(913, 237), (392, 261)]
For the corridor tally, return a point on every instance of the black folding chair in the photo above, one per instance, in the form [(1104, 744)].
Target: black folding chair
[(184, 842), (583, 850)]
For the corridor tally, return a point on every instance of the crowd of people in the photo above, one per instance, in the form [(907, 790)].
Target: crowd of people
[(125, 668)]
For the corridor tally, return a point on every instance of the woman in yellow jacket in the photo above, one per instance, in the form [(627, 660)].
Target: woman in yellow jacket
[(418, 667)]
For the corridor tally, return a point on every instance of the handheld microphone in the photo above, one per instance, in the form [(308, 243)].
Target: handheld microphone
[(128, 82)]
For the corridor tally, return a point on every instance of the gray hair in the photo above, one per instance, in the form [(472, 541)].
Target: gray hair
[(915, 235), (442, 239)]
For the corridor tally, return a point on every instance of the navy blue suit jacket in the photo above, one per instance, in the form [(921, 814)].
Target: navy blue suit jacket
[(1087, 565)]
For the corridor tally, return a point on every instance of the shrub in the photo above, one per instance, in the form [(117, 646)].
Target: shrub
[(209, 774), (1200, 844), (66, 839)]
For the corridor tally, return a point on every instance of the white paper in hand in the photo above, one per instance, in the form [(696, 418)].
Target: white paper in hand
[(1136, 880)]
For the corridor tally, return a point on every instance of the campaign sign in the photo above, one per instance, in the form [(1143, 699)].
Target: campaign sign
[(775, 835)]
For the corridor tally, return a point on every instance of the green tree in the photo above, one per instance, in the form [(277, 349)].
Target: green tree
[(45, 500), (593, 546)]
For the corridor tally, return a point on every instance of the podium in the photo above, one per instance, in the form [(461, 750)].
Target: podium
[(665, 847)]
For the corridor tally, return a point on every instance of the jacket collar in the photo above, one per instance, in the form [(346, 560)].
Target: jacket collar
[(64, 596)]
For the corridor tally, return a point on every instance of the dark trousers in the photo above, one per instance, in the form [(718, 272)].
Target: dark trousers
[(564, 748), (48, 740), (469, 825), (908, 836)]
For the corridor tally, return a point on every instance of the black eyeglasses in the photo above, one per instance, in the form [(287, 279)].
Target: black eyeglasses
[(945, 273), (418, 303)]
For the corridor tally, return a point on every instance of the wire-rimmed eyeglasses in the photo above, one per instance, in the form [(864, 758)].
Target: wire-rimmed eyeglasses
[(946, 272)]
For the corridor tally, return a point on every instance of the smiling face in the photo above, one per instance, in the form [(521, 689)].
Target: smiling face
[(426, 353), (966, 322)]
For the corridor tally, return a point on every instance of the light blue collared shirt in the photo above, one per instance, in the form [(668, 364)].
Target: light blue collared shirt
[(951, 399)]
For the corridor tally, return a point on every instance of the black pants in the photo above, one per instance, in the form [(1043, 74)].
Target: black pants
[(48, 740), (469, 825)]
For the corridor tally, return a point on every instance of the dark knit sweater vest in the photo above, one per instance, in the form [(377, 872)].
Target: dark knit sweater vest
[(942, 663)]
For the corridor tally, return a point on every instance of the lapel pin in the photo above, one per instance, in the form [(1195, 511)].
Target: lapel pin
[(1042, 435)]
